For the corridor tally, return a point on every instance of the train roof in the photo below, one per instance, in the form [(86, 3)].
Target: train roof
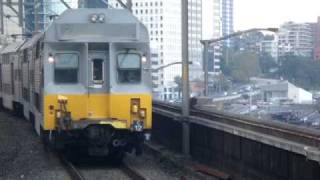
[(32, 41), (13, 47), (74, 25)]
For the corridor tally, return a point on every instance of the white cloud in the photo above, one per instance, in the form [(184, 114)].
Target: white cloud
[(272, 13)]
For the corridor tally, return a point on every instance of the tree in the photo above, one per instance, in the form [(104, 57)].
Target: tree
[(248, 41), (301, 71), (244, 65), (178, 81), (266, 62)]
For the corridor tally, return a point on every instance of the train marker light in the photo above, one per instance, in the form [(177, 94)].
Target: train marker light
[(134, 108), (50, 59), (142, 113)]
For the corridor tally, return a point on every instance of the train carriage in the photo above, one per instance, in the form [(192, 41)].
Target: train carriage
[(85, 80), (10, 78)]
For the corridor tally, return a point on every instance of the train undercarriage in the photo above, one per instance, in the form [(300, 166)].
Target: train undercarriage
[(96, 140)]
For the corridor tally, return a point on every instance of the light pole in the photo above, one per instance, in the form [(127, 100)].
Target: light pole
[(185, 78), (207, 43), (168, 65)]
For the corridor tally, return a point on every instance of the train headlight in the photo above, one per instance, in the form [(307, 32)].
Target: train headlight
[(143, 113), (50, 59), (134, 108), (144, 59), (94, 18), (101, 18)]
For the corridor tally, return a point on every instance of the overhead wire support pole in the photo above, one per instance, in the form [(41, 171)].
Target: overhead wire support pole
[(126, 6), (1, 17), (167, 65), (205, 66), (185, 78), (20, 13), (36, 15), (65, 4)]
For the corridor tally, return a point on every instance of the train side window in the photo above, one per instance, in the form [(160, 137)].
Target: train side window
[(66, 68), (129, 68), (97, 71), (25, 55)]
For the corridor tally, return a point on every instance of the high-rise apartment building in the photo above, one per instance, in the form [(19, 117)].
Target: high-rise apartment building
[(317, 40), (39, 13), (270, 47), (296, 39), (227, 19), (163, 20), (212, 28), (195, 36)]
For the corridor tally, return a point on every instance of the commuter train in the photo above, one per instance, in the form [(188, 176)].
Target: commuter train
[(85, 80)]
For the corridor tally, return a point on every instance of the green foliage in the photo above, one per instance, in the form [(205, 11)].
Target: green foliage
[(301, 71), (245, 96), (267, 63), (244, 65)]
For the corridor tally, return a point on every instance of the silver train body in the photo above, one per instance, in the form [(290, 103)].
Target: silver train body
[(85, 79)]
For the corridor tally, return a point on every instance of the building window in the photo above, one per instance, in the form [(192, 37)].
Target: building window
[(66, 68)]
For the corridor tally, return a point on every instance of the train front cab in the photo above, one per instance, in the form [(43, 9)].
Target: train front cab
[(100, 89), (95, 85)]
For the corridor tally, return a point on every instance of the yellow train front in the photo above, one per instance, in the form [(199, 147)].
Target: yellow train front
[(96, 81)]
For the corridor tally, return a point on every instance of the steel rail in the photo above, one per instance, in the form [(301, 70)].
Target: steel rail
[(132, 172), (71, 169)]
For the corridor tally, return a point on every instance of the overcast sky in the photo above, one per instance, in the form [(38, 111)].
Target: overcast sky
[(272, 13)]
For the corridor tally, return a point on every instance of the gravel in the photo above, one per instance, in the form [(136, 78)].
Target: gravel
[(22, 155), (154, 168)]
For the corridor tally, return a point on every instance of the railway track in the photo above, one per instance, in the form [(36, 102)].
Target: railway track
[(77, 173), (278, 129)]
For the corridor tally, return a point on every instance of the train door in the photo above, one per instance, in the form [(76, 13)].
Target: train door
[(97, 85), (97, 71), (1, 78)]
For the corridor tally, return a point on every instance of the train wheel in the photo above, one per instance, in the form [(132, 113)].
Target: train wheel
[(51, 141), (45, 139)]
